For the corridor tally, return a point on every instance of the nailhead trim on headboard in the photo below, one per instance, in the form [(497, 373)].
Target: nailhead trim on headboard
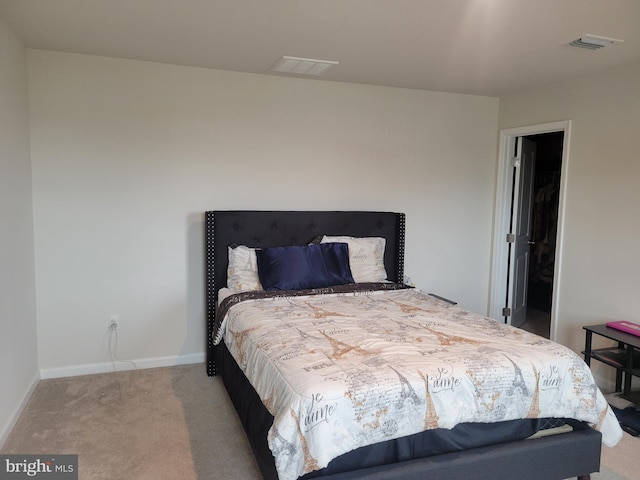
[(210, 289), (401, 237)]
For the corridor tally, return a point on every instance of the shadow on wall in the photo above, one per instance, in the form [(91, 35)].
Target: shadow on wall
[(196, 328)]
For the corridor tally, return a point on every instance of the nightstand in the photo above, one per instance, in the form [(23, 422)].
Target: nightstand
[(625, 357)]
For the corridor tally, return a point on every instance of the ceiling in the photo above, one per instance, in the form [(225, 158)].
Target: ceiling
[(483, 47)]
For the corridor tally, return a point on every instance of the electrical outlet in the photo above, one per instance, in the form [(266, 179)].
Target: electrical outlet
[(114, 320)]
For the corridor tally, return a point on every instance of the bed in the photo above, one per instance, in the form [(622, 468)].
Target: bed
[(504, 446)]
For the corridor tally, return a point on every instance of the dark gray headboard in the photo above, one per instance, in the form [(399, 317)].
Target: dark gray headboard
[(277, 228)]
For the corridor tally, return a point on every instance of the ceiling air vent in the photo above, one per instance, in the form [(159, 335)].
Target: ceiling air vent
[(302, 66), (593, 42)]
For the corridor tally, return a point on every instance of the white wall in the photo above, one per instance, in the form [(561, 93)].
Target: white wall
[(127, 156), (18, 346), (600, 258)]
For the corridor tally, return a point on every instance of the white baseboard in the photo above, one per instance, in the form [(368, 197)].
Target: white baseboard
[(15, 415), (106, 367)]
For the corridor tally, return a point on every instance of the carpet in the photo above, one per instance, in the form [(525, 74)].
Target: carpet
[(167, 423)]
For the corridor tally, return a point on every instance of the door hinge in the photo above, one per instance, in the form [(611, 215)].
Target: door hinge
[(506, 312), (511, 237), (515, 162)]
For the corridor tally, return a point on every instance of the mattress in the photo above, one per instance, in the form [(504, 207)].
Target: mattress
[(346, 367)]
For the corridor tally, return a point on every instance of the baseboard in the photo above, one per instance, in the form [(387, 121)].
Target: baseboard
[(606, 383), (106, 367), (13, 418)]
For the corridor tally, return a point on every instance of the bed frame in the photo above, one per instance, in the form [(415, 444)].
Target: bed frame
[(572, 454)]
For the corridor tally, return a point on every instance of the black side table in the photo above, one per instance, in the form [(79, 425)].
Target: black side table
[(625, 358)]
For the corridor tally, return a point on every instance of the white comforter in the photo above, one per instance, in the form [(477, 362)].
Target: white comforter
[(341, 371)]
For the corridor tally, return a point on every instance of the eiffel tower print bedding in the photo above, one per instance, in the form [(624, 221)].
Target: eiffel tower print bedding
[(344, 367)]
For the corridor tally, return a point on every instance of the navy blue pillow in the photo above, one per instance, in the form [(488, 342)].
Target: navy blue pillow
[(299, 267)]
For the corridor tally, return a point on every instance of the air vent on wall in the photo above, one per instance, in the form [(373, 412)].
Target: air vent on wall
[(302, 66), (593, 42)]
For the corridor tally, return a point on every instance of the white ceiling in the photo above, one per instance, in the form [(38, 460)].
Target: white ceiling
[(485, 47)]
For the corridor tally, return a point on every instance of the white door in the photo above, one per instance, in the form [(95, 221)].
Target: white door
[(520, 238), (502, 226)]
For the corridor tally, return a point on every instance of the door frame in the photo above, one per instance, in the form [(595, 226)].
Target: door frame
[(502, 218)]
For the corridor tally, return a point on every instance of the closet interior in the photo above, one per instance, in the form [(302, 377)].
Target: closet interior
[(544, 227)]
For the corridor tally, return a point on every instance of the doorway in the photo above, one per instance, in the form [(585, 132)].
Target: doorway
[(543, 227), (528, 226)]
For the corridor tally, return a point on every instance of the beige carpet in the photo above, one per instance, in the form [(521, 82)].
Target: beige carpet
[(163, 423), (168, 423)]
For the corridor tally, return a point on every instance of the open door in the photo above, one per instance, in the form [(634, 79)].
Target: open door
[(520, 237), (525, 276)]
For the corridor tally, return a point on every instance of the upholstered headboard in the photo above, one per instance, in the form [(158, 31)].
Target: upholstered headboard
[(278, 228)]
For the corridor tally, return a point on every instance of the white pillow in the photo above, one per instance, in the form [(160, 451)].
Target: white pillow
[(242, 271), (366, 257)]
